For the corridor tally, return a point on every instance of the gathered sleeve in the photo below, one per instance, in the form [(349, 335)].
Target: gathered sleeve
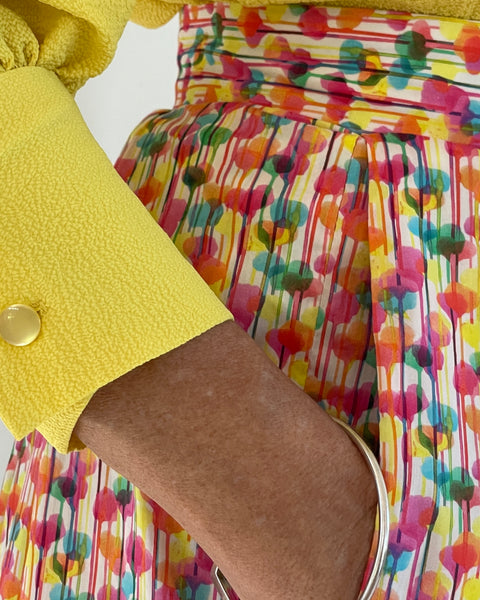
[(76, 247)]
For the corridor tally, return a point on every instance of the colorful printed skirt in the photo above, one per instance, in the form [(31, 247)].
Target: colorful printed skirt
[(321, 170)]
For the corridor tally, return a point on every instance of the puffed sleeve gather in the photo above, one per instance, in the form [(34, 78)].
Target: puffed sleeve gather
[(77, 248)]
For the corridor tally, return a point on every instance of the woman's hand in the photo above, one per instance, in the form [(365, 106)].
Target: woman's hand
[(269, 486)]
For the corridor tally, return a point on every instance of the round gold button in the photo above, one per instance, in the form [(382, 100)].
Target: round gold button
[(19, 325)]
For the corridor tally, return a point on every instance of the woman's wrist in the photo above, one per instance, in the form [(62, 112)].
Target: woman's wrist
[(274, 491)]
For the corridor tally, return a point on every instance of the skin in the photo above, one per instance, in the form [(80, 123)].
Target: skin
[(270, 487)]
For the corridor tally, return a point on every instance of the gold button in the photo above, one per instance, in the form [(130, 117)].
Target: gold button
[(19, 325)]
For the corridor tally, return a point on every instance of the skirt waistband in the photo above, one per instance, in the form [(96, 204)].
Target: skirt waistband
[(362, 70)]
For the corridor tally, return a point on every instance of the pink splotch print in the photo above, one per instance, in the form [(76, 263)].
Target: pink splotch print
[(321, 171)]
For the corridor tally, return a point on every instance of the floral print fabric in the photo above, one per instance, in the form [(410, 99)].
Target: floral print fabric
[(321, 171)]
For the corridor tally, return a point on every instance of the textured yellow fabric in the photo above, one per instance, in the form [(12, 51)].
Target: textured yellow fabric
[(111, 289), (153, 13), (76, 244)]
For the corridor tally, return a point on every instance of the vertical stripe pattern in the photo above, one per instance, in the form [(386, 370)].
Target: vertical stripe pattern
[(321, 171)]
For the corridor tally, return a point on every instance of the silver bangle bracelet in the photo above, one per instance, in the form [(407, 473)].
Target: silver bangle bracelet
[(383, 514), (222, 586)]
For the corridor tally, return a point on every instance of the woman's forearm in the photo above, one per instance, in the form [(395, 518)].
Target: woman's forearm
[(263, 480)]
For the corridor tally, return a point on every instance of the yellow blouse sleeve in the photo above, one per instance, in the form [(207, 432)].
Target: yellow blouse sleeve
[(152, 13), (76, 246)]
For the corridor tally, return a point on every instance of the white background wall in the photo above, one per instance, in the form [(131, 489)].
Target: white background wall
[(140, 80)]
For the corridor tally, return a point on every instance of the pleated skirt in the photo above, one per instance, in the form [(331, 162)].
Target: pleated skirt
[(321, 171)]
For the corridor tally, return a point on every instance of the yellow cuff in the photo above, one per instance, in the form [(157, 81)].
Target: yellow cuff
[(110, 288), (59, 428)]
